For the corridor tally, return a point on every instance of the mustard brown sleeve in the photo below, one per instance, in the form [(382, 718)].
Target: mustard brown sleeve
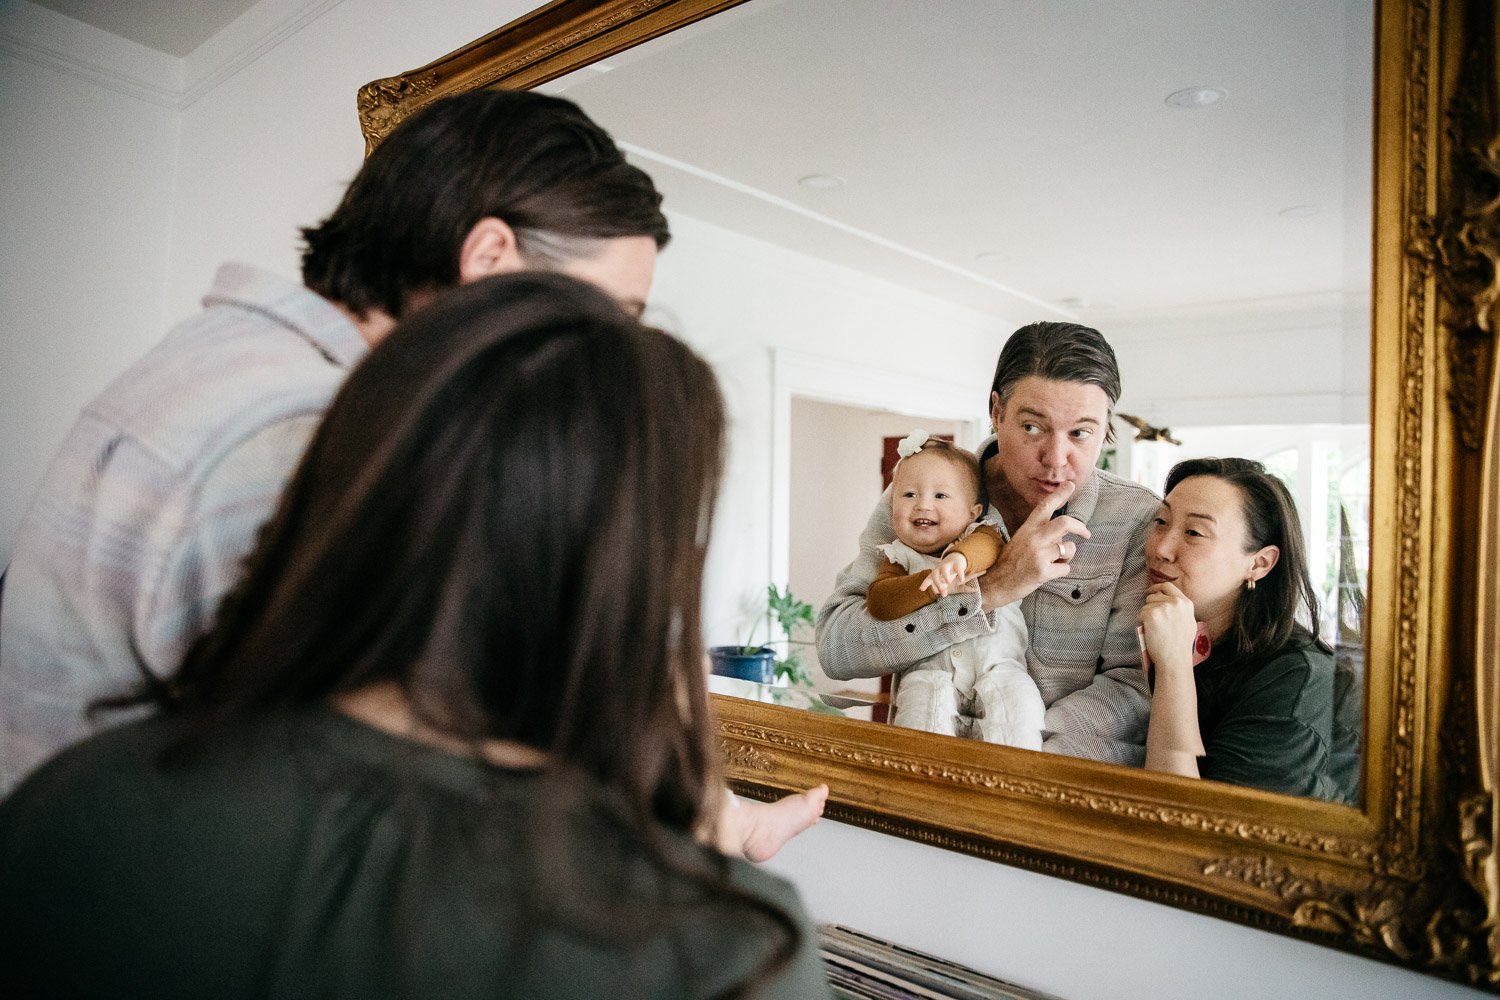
[(981, 548), (893, 594)]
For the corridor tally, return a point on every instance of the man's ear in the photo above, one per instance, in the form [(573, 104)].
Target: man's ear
[(490, 248), (997, 410)]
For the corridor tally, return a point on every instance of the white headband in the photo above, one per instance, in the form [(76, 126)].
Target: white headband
[(911, 444)]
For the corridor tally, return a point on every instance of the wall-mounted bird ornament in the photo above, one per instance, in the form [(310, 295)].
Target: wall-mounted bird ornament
[(1145, 432)]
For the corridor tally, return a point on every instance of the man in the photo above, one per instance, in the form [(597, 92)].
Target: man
[(142, 520), (1075, 557)]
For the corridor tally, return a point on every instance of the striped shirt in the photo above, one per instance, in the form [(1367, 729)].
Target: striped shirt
[(1083, 652), (144, 517)]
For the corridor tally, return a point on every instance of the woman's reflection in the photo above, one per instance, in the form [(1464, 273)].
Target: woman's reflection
[(1074, 557), (1226, 549)]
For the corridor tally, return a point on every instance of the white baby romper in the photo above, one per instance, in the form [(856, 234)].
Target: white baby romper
[(975, 687)]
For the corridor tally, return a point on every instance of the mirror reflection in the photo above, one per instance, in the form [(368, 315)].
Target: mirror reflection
[(884, 197)]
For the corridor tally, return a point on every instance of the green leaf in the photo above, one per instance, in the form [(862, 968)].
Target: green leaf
[(785, 613)]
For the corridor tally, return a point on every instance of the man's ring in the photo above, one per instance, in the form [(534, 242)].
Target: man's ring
[(1062, 550)]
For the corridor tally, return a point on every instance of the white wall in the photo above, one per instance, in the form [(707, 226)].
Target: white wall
[(270, 148), (1069, 940), (86, 170), (106, 241), (1294, 361)]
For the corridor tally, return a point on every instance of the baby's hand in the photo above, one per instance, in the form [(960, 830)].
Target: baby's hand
[(947, 575)]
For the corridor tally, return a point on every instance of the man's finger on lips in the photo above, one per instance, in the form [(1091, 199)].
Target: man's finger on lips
[(1044, 510)]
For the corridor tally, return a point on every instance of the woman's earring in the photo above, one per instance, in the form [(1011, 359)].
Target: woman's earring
[(1250, 584)]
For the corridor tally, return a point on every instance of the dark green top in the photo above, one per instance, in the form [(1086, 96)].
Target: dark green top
[(311, 855), (1269, 724)]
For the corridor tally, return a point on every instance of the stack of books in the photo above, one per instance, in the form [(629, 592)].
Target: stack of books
[(860, 966)]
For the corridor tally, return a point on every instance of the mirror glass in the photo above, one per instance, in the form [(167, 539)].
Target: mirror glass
[(867, 198)]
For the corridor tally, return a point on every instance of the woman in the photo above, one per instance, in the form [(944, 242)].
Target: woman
[(449, 734), (1225, 549)]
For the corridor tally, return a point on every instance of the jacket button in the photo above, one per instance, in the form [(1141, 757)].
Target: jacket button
[(1077, 593), (962, 610), (911, 628)]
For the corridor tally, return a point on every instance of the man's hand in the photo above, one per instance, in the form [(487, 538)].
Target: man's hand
[(1038, 551)]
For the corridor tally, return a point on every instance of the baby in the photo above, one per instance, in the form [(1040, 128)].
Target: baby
[(978, 687)]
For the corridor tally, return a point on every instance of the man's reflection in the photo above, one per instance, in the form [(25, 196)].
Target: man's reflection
[(1074, 558)]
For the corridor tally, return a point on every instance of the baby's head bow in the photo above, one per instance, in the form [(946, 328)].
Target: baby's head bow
[(911, 444)]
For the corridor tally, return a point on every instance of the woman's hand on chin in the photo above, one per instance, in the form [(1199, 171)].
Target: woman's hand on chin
[(1170, 627), (1173, 741)]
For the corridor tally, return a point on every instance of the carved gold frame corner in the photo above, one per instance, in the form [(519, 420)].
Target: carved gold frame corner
[(1412, 876)]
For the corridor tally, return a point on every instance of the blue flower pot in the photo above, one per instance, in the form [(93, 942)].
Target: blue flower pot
[(758, 665)]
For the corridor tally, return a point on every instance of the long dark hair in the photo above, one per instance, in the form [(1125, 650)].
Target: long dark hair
[(505, 512), (536, 162), (1284, 601)]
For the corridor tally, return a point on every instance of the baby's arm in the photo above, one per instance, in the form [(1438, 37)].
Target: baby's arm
[(854, 643), (974, 553), (981, 547), (895, 593), (947, 575)]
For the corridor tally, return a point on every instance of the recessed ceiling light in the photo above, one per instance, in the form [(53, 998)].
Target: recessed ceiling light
[(821, 182), (992, 257), (600, 67), (1194, 97), (1076, 302), (1299, 212)]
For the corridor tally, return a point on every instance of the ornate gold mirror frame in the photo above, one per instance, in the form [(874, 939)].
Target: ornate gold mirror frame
[(1412, 877)]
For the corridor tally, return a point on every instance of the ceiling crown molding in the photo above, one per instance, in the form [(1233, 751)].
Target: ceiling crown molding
[(32, 51), (239, 54), (54, 41)]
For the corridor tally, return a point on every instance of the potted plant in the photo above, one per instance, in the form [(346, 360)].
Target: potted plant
[(762, 663)]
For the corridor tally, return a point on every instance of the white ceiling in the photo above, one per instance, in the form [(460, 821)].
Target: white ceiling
[(1031, 131), (1036, 131), (175, 27)]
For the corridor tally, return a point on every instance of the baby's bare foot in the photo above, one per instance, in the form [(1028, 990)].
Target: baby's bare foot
[(772, 824)]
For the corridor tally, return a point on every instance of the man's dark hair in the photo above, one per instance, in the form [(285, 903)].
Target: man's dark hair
[(1061, 352), (535, 162), (1284, 601)]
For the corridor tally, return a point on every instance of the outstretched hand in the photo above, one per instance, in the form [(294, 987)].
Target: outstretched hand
[(950, 575), (1038, 551)]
